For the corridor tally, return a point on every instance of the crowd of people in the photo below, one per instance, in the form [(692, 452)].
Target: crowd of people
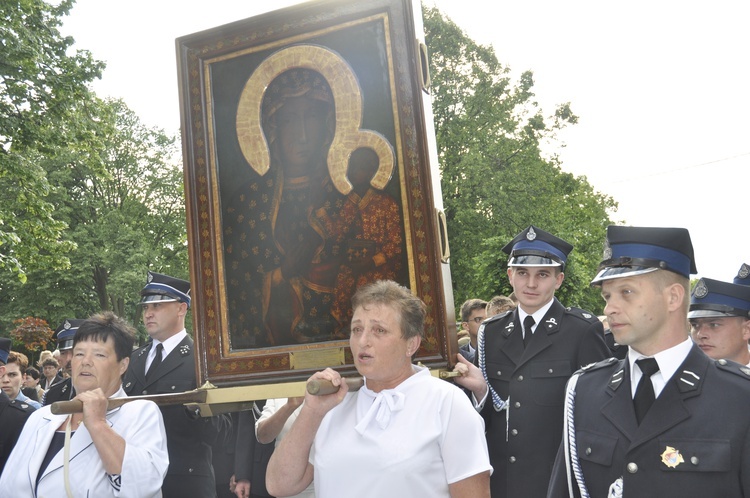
[(547, 403)]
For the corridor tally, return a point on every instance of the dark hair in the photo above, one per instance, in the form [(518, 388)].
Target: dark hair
[(411, 309), (499, 304), (469, 306), (102, 326), (33, 372), (50, 362)]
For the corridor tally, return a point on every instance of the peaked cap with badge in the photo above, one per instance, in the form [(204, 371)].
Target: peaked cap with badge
[(65, 332), (523, 410), (163, 288), (716, 299), (694, 441), (631, 251), (535, 247), (743, 275)]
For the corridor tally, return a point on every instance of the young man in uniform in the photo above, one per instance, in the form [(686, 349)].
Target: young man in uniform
[(63, 390), (167, 365), (720, 319), (667, 420), (525, 357)]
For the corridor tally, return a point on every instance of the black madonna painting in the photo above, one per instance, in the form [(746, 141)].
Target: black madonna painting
[(314, 218), (307, 175)]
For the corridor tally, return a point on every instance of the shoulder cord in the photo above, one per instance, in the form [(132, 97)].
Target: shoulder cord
[(66, 459), (569, 436), (497, 402)]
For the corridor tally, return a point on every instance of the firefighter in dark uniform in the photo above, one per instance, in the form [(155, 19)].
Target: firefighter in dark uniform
[(667, 420), (63, 390), (527, 365), (166, 365), (13, 414)]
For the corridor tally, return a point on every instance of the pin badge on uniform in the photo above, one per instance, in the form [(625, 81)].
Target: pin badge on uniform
[(671, 457)]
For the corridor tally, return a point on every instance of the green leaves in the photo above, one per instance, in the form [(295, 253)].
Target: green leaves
[(496, 179)]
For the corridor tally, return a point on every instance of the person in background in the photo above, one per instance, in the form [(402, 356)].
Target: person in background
[(63, 390), (525, 358), (404, 433), (473, 313), (51, 377), (274, 423), (167, 365), (13, 377), (667, 420), (719, 317), (99, 452), (499, 304), (13, 414), (31, 387), (251, 457)]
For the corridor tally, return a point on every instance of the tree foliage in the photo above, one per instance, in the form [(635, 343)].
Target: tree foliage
[(496, 180), (44, 104), (124, 208), (31, 334)]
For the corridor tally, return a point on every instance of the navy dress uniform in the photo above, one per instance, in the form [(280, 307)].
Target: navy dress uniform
[(694, 440), (63, 390), (189, 438), (13, 413), (524, 410)]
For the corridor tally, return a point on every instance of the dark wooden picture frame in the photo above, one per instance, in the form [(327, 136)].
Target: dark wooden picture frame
[(277, 250)]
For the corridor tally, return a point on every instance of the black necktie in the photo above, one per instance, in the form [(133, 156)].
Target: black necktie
[(644, 393), (528, 322), (156, 361)]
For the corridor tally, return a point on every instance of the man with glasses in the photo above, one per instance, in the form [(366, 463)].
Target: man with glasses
[(473, 313)]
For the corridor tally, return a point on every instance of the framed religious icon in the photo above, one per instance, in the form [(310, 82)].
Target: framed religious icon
[(310, 170)]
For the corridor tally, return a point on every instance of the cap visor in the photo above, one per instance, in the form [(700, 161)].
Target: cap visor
[(709, 314), (621, 272), (532, 261), (157, 298)]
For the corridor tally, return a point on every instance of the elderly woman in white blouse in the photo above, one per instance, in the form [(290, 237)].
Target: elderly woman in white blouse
[(97, 453), (405, 433)]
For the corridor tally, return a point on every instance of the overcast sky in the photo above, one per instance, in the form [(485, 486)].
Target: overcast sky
[(662, 90)]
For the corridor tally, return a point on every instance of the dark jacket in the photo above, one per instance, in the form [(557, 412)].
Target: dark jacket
[(522, 450), (702, 413), (13, 415), (189, 439), (251, 457)]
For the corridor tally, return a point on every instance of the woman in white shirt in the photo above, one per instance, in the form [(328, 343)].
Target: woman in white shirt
[(404, 434)]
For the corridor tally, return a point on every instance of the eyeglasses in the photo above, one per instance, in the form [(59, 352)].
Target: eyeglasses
[(478, 319)]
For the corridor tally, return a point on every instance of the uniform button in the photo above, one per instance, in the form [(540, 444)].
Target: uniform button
[(514, 432), (499, 373), (173, 388), (550, 371), (512, 459), (722, 362), (520, 378), (588, 450), (694, 460), (144, 392), (632, 468), (517, 404), (190, 470)]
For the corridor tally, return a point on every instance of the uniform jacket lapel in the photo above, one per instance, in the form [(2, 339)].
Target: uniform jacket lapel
[(172, 360), (668, 409), (138, 365), (512, 339), (541, 339)]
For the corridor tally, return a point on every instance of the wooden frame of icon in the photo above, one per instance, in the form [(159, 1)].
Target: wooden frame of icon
[(310, 170)]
